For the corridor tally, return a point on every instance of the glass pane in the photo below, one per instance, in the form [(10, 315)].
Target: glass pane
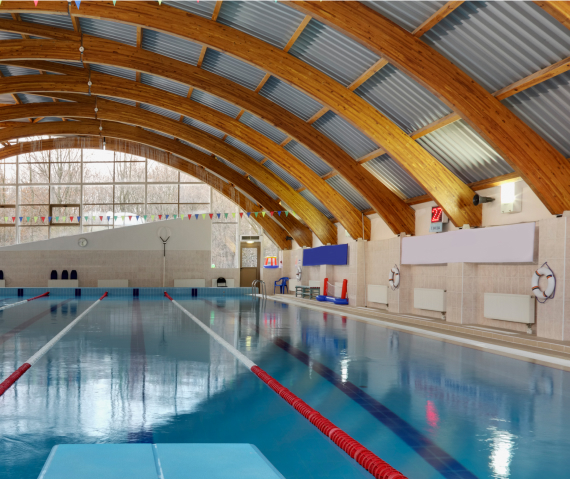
[(224, 245), (128, 157), (186, 178), (162, 194), (59, 213), (98, 172), (129, 172), (59, 231), (7, 173), (35, 157), (65, 172), (160, 172), (194, 193), (65, 155), (98, 155), (65, 195), (7, 236), (222, 205), (33, 233), (249, 257), (97, 194), (161, 210), (129, 194), (270, 249), (127, 215), (33, 195), (34, 173), (42, 210), (101, 212), (194, 208), (6, 215), (12, 159)]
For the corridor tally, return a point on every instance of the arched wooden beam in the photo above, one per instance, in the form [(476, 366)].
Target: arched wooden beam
[(397, 215), (540, 165), (299, 232), (444, 187), (108, 85), (276, 232), (115, 112)]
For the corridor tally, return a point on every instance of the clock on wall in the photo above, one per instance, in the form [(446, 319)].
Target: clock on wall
[(82, 242)]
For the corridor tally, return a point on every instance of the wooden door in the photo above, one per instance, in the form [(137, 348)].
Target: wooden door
[(249, 263)]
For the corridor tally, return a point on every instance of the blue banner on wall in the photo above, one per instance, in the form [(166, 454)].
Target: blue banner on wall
[(335, 255)]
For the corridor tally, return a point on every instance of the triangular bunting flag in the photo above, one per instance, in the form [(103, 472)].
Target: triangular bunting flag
[(256, 213), (5, 218), (226, 215), (190, 217), (159, 2), (130, 218), (100, 217), (241, 215), (218, 215), (137, 218), (77, 2), (181, 217), (151, 217), (144, 217), (196, 216), (248, 214), (43, 219), (28, 219), (21, 218), (123, 219), (71, 218), (233, 215), (63, 218), (115, 218), (108, 218), (35, 219), (286, 213), (263, 213), (279, 213), (114, 2), (271, 213), (36, 2), (49, 219), (174, 216), (166, 217), (159, 217), (211, 215)]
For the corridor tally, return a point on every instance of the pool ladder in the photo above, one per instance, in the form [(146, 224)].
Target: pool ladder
[(262, 288)]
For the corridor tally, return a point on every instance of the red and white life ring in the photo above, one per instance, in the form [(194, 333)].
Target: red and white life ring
[(549, 292), (394, 277), (298, 275)]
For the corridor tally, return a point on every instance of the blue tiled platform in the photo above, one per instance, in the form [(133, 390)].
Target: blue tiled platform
[(125, 292)]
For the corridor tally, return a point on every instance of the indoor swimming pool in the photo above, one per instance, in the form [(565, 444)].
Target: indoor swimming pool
[(137, 370)]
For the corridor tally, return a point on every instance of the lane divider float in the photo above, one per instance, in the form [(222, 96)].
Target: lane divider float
[(366, 458), (18, 373), (23, 302)]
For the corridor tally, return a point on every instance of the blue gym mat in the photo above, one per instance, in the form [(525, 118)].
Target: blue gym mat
[(157, 461)]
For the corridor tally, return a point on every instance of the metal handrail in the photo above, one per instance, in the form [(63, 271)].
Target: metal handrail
[(262, 288)]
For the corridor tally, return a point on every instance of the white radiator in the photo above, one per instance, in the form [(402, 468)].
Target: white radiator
[(509, 307), (430, 299), (314, 283), (377, 293)]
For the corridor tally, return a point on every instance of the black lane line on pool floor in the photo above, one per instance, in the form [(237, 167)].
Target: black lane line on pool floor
[(137, 372), (440, 460), (26, 324)]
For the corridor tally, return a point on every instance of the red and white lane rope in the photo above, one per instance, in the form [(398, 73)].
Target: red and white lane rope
[(23, 302), (366, 458), (18, 373)]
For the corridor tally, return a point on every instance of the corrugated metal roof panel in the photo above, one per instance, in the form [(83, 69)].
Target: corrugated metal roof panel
[(281, 173), (263, 127), (263, 187), (349, 138), (170, 46), (115, 71), (13, 71), (231, 165), (349, 192), (215, 102), (465, 153), (332, 53), (124, 101), (78, 65), (58, 21), (165, 84), (160, 111), (6, 98), (233, 69), (202, 126), (6, 16), (243, 147), (27, 98), (202, 9), (49, 119), (159, 133), (119, 32), (316, 203), (273, 23), (394, 176), (401, 99), (498, 43), (546, 108), (10, 36), (409, 15), (290, 98), (308, 158), (199, 148)]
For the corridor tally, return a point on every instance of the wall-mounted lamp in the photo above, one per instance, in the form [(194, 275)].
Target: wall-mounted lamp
[(511, 197)]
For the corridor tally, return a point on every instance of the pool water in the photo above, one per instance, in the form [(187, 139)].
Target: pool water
[(139, 371)]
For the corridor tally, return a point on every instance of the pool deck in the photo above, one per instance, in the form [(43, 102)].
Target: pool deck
[(509, 343)]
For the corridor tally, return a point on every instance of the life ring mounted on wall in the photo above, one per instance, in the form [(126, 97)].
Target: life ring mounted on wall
[(548, 293), (298, 275), (394, 277)]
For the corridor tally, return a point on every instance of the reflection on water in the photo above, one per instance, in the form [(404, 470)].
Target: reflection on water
[(502, 446)]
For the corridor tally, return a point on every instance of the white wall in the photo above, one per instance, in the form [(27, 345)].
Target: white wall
[(186, 235)]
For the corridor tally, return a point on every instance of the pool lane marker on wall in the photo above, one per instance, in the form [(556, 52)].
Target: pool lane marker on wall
[(366, 458), (18, 373), (22, 302)]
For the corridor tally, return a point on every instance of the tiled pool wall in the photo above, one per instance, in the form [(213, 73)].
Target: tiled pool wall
[(124, 292)]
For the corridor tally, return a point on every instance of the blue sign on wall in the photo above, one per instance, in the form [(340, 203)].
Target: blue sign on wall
[(334, 255)]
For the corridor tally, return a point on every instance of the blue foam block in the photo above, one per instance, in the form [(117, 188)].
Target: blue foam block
[(152, 461)]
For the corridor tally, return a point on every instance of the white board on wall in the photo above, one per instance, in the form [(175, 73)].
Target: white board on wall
[(498, 244)]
